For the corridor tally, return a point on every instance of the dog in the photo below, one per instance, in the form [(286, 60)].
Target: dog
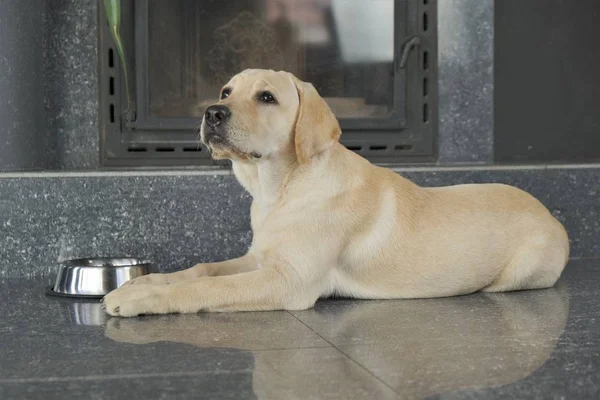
[(326, 222)]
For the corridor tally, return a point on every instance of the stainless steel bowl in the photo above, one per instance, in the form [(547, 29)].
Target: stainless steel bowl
[(96, 277)]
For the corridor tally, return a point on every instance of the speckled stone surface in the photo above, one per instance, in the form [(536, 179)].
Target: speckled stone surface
[(542, 344), (71, 82), (466, 81), (48, 85), (181, 219), (176, 221), (23, 144)]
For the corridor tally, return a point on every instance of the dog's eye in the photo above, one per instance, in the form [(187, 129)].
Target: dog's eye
[(225, 93), (267, 97)]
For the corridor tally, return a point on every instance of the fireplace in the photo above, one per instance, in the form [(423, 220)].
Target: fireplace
[(374, 61)]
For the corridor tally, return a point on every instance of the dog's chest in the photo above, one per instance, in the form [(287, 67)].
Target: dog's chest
[(260, 211)]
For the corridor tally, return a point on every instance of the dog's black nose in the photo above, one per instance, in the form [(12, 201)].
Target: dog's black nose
[(217, 114)]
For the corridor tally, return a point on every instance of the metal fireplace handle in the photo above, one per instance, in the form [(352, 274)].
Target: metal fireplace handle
[(406, 48)]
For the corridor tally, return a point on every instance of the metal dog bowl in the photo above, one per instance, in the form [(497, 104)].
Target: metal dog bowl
[(96, 277)]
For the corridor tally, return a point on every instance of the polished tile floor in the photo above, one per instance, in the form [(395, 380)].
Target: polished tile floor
[(541, 344)]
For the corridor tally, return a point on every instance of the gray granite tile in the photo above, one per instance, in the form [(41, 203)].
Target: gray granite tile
[(530, 344), (573, 196), (176, 221), (419, 323), (23, 142), (49, 85), (424, 347), (565, 375), (180, 220), (228, 385), (90, 353), (70, 67), (524, 371), (527, 344), (466, 81), (282, 374), (525, 179), (177, 355), (582, 278)]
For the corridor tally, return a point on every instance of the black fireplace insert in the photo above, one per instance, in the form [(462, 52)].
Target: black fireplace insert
[(374, 61)]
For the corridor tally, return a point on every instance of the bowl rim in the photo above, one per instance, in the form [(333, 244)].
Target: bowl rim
[(106, 262)]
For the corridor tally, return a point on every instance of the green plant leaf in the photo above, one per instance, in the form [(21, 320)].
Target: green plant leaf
[(113, 15)]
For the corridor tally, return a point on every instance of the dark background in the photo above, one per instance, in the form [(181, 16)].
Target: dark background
[(547, 81)]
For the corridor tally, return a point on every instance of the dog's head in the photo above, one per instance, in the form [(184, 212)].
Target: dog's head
[(263, 113)]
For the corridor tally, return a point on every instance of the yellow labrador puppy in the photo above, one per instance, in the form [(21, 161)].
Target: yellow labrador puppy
[(327, 222)]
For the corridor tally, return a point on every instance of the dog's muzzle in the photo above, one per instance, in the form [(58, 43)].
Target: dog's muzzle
[(215, 119)]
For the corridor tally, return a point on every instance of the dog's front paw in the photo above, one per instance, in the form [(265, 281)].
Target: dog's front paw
[(133, 300)]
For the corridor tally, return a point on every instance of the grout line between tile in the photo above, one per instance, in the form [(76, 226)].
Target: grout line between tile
[(120, 376), (368, 371), (157, 374)]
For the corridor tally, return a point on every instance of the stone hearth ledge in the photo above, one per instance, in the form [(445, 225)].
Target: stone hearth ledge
[(181, 217)]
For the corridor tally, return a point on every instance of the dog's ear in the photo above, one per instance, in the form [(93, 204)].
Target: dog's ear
[(316, 126)]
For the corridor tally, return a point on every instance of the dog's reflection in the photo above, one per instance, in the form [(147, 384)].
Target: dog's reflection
[(427, 347), (418, 347)]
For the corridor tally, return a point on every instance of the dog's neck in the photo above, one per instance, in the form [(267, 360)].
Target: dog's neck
[(265, 179)]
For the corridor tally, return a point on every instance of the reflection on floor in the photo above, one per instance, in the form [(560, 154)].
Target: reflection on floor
[(532, 344)]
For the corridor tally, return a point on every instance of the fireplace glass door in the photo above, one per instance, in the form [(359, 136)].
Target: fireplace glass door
[(365, 57)]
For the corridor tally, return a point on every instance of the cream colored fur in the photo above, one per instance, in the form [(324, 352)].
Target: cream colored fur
[(327, 222)]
